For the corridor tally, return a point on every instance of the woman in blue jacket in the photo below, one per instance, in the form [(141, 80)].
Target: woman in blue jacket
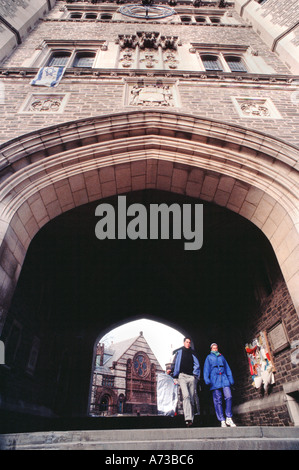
[(218, 375)]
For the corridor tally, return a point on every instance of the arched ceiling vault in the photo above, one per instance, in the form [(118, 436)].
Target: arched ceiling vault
[(53, 170)]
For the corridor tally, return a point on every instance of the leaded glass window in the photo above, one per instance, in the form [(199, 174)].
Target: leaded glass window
[(140, 365), (59, 59), (235, 64), (84, 59), (211, 62)]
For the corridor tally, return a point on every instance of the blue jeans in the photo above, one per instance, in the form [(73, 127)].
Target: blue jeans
[(217, 399)]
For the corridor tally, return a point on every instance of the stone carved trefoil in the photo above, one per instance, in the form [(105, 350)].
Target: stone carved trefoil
[(252, 108), (149, 49), (149, 59)]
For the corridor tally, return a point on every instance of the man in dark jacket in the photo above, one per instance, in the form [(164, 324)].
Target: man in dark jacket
[(185, 367), (218, 375)]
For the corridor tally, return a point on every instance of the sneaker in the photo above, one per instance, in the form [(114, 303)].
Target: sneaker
[(223, 424), (230, 423)]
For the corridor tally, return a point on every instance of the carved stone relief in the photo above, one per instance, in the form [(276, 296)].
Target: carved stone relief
[(127, 57), (170, 59), (151, 94), (252, 108), (256, 108), (148, 58), (42, 103), (145, 39)]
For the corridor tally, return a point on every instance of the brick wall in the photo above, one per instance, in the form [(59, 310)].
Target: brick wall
[(98, 96), (276, 307), (91, 95), (278, 416)]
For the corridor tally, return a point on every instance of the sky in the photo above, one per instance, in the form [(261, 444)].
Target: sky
[(161, 338)]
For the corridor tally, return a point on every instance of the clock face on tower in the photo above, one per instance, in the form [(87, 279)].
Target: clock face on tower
[(150, 12)]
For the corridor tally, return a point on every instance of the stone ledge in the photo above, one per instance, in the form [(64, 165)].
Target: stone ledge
[(199, 75), (277, 399), (254, 438)]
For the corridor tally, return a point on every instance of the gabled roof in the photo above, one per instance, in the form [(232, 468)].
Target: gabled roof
[(120, 348), (113, 353)]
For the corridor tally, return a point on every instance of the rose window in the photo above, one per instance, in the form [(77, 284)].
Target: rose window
[(140, 365)]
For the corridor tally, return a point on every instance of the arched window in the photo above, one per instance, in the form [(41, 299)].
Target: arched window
[(104, 403), (91, 16), (200, 19), (235, 64), (84, 59), (186, 19), (76, 15), (215, 20), (211, 62), (106, 16), (141, 364), (59, 59)]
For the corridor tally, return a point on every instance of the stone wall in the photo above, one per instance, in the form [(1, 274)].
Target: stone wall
[(84, 98), (17, 20), (270, 408), (274, 416), (276, 22)]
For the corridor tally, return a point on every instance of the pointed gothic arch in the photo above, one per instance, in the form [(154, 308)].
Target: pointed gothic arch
[(53, 170)]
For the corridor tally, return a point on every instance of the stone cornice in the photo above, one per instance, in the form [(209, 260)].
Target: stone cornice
[(134, 21), (199, 76)]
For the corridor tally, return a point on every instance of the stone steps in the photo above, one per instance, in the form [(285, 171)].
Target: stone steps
[(175, 439)]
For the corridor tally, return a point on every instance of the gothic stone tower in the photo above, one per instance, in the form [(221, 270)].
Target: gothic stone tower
[(178, 101)]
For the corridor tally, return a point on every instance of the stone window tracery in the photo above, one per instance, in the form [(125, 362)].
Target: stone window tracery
[(211, 62), (199, 16), (84, 59), (76, 15), (237, 58), (223, 63), (222, 59), (235, 63), (208, 19), (59, 59), (141, 364), (72, 59), (108, 381), (68, 53)]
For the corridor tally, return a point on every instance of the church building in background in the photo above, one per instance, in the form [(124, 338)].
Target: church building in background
[(125, 379)]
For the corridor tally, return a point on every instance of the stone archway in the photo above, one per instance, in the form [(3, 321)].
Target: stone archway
[(53, 170)]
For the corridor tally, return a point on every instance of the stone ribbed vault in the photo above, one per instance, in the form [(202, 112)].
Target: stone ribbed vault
[(53, 170)]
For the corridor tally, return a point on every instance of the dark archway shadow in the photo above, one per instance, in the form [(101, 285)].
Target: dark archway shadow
[(72, 286)]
